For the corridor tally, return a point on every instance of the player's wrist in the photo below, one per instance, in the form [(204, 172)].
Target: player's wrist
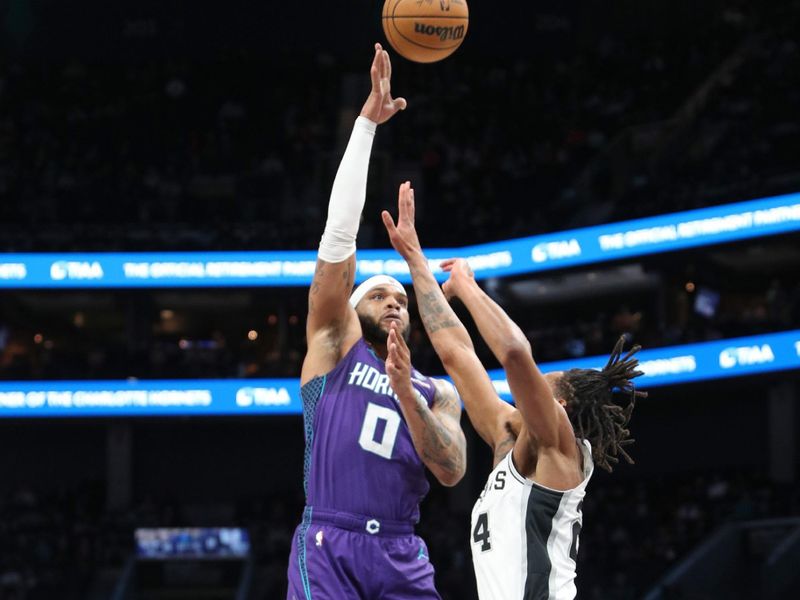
[(467, 289), (363, 121), (415, 258), (404, 392), (366, 120)]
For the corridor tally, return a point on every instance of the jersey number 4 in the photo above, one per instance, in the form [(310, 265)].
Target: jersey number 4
[(481, 535), (374, 415)]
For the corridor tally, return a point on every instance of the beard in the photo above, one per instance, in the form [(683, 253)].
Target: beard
[(375, 335)]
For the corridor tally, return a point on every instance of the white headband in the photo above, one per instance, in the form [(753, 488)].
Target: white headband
[(372, 282)]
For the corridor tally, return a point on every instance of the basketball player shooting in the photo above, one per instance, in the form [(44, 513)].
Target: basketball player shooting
[(372, 425), (526, 522)]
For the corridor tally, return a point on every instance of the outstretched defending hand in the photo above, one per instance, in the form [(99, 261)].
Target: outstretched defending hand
[(403, 236), (380, 107), (460, 275), (398, 363)]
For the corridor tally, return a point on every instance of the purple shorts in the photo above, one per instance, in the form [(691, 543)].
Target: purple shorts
[(339, 556)]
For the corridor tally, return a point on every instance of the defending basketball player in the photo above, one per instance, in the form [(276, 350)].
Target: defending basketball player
[(526, 522), (372, 425)]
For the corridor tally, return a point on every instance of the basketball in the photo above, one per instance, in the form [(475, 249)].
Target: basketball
[(425, 31)]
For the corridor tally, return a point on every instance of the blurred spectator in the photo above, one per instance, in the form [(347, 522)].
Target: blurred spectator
[(635, 529)]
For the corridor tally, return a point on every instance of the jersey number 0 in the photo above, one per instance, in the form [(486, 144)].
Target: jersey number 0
[(373, 416)]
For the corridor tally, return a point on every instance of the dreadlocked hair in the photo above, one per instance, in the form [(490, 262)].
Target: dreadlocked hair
[(589, 395)]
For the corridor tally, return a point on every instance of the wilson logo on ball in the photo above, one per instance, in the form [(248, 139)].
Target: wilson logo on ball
[(443, 33)]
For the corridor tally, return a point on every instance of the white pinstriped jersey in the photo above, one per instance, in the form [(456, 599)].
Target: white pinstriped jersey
[(525, 536)]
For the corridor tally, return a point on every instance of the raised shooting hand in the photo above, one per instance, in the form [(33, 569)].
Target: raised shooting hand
[(380, 106)]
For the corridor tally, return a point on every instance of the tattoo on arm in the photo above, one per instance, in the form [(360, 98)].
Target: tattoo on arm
[(504, 447), (434, 312), (348, 284), (440, 444), (319, 273)]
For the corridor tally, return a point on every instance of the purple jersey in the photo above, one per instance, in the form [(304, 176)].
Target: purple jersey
[(359, 456)]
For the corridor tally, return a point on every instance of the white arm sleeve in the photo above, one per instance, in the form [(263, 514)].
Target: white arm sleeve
[(348, 195)]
